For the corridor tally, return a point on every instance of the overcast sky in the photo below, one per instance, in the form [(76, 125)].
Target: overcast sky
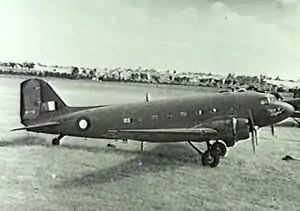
[(251, 37)]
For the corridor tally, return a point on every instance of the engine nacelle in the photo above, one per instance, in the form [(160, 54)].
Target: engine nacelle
[(227, 129)]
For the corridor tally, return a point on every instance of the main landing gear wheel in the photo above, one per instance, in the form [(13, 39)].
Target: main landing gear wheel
[(210, 158), (220, 148), (56, 141)]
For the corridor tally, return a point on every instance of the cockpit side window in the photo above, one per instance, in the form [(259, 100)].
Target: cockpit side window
[(264, 101)]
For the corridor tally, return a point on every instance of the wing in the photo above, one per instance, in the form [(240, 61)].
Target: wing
[(36, 126), (167, 135), (221, 127)]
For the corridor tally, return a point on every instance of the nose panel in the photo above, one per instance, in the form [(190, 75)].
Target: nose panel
[(279, 111)]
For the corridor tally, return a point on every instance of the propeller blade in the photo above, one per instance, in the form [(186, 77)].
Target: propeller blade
[(256, 139), (251, 119), (234, 123), (253, 131), (253, 144)]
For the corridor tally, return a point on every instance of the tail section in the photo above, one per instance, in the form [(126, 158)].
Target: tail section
[(38, 102)]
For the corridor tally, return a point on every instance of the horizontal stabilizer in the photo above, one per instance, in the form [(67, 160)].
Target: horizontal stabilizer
[(47, 124)]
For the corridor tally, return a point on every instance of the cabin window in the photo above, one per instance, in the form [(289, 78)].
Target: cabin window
[(154, 117), (127, 120), (199, 112), (183, 113), (169, 115), (214, 110)]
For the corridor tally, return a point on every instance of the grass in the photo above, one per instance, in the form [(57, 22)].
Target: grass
[(86, 175)]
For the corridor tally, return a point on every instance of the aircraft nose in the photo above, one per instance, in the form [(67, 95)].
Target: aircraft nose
[(288, 109)]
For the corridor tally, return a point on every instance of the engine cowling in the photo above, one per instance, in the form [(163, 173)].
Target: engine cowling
[(230, 129)]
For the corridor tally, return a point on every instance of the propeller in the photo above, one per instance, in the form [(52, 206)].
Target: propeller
[(253, 131)]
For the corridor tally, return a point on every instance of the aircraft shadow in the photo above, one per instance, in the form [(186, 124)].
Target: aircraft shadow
[(34, 140), (164, 157), (25, 141)]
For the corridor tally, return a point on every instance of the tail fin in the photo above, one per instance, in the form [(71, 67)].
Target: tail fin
[(38, 101)]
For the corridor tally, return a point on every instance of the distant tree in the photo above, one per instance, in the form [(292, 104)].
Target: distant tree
[(75, 71), (143, 76), (262, 79), (12, 65), (5, 64), (230, 76), (92, 73), (177, 79), (156, 78), (134, 76), (29, 65)]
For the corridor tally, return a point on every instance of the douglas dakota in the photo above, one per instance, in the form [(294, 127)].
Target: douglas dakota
[(220, 120)]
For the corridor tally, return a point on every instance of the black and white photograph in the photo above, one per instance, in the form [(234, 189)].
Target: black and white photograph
[(146, 105)]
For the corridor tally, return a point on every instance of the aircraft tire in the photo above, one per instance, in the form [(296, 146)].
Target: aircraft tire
[(55, 141), (210, 158), (220, 148)]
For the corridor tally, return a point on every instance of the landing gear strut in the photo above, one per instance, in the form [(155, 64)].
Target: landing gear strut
[(56, 141), (210, 157)]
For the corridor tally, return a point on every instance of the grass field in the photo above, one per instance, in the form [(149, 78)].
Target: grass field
[(86, 175)]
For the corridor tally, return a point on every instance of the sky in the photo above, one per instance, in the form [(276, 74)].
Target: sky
[(248, 37)]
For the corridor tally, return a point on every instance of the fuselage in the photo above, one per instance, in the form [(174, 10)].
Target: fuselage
[(184, 112)]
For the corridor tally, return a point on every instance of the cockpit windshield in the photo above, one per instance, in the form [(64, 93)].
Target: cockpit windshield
[(272, 99)]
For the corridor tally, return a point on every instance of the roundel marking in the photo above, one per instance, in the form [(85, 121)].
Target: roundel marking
[(83, 123)]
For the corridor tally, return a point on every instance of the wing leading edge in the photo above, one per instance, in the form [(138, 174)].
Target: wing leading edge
[(192, 131)]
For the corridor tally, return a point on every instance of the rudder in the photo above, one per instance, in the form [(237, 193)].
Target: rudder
[(38, 100)]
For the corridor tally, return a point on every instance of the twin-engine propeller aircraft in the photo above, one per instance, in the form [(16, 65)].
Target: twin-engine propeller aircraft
[(222, 118)]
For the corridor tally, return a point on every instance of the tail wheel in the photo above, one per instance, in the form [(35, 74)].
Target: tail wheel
[(55, 141), (220, 148), (210, 158)]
